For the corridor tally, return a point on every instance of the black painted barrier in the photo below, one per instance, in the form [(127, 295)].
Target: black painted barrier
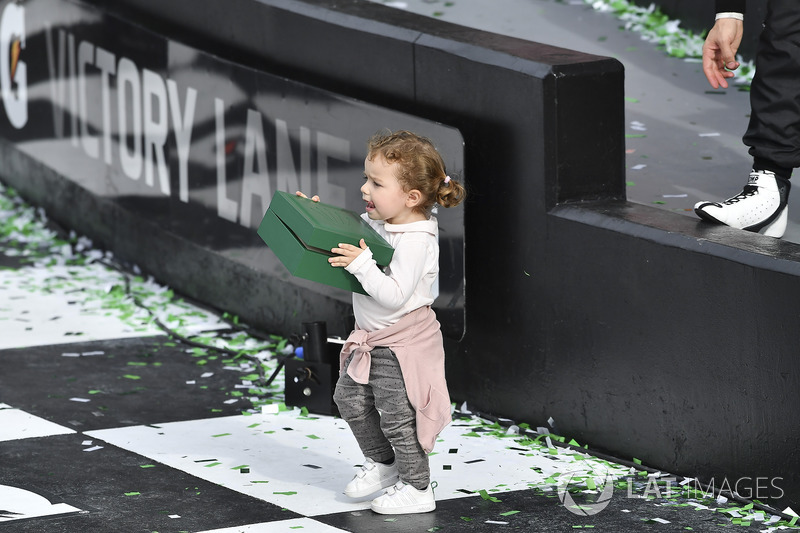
[(639, 331)]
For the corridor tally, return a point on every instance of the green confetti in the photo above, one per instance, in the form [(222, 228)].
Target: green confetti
[(221, 435), (485, 496), (147, 466), (132, 493), (286, 493), (131, 376), (509, 513)]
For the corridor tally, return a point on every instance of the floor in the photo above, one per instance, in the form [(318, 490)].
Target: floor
[(124, 407), (111, 421)]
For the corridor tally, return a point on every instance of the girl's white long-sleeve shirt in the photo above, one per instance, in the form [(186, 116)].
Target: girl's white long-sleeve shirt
[(408, 283)]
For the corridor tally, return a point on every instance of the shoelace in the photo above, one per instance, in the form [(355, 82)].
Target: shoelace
[(747, 192)]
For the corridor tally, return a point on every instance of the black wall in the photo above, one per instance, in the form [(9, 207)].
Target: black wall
[(641, 332)]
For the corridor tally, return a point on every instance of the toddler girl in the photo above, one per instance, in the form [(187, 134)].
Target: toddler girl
[(392, 389)]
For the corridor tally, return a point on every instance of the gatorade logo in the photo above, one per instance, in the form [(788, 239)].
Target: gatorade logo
[(13, 70)]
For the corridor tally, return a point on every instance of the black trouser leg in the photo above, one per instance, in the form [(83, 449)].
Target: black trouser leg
[(773, 134)]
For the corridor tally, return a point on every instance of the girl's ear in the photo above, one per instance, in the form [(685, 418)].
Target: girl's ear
[(413, 198)]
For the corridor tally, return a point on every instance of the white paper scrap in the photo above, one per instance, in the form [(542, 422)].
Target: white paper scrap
[(660, 520), (83, 400), (270, 409), (206, 374), (93, 449), (715, 134), (638, 167)]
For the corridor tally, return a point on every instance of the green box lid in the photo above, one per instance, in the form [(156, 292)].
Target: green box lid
[(324, 226)]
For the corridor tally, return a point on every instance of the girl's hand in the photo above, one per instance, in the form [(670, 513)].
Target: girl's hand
[(314, 198), (346, 253)]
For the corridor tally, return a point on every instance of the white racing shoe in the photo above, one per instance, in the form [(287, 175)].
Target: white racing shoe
[(405, 499), (371, 478), (761, 207)]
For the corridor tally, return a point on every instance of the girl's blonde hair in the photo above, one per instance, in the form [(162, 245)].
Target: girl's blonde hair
[(419, 166)]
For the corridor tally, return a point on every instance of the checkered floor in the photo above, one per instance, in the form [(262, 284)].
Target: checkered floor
[(107, 424)]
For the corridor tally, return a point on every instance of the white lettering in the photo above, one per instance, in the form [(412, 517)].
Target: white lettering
[(107, 64), (90, 143), (156, 128), (183, 133), (226, 208), (287, 171), (128, 81)]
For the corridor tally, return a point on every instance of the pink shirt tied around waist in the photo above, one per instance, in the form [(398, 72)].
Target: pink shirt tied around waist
[(416, 340)]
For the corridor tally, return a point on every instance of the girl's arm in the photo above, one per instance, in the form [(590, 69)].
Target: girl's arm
[(405, 270)]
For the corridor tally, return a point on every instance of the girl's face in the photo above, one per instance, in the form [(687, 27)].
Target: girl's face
[(385, 197)]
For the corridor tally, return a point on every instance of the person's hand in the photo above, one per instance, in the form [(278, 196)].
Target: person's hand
[(719, 51), (346, 253), (314, 198)]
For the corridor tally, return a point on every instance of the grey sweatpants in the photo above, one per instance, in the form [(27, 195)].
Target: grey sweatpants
[(381, 417)]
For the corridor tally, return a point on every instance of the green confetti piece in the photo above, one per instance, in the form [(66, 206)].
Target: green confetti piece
[(630, 184), (221, 435), (637, 461), (131, 376), (631, 99), (254, 481), (313, 437), (635, 135), (286, 493), (466, 519), (95, 391), (240, 466), (509, 513), (147, 466), (485, 496), (132, 493), (209, 465)]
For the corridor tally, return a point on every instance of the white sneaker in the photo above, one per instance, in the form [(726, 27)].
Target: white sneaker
[(405, 499), (761, 206), (372, 478)]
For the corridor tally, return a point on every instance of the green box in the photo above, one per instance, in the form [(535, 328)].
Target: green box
[(302, 232)]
